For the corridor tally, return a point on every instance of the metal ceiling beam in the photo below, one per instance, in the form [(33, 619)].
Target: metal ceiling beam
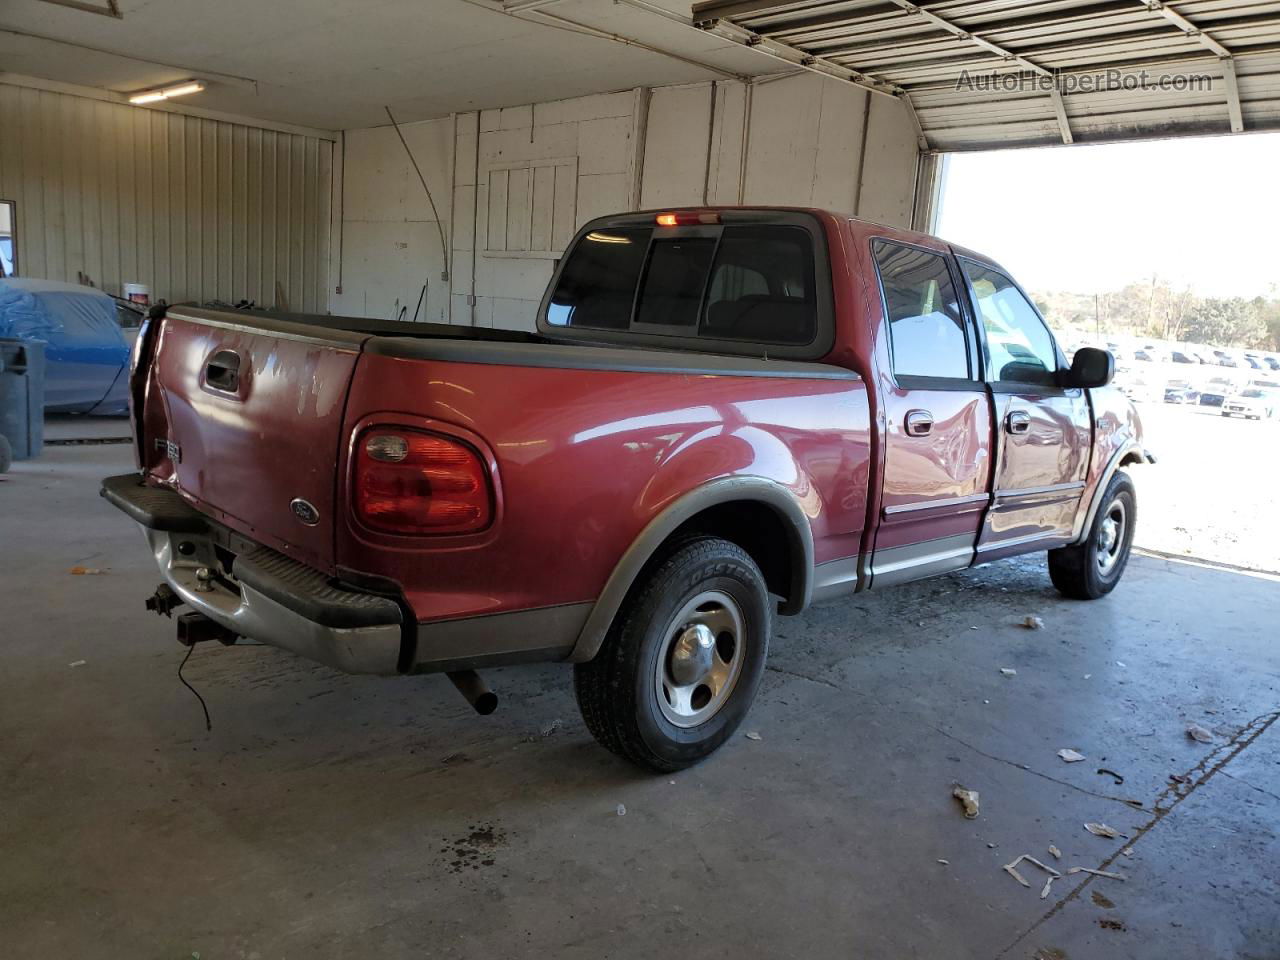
[(1235, 109), (108, 9), (1186, 26), (795, 57), (960, 33)]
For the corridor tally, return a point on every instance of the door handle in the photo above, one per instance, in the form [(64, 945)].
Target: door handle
[(918, 423), (223, 371), (1018, 422)]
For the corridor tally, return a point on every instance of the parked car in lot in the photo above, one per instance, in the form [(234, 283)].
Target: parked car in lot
[(86, 354), (1252, 404), (1215, 392), (714, 423), (1174, 393)]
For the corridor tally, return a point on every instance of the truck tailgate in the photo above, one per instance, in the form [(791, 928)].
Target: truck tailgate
[(244, 418)]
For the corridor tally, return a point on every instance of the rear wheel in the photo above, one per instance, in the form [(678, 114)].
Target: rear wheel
[(6, 454), (1090, 570), (683, 659)]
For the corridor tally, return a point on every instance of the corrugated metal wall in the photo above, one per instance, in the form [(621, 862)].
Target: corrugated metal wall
[(197, 209)]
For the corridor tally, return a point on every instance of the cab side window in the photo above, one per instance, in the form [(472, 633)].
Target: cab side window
[(926, 326), (1020, 348)]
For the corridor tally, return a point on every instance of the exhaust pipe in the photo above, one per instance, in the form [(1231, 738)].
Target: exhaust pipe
[(469, 684)]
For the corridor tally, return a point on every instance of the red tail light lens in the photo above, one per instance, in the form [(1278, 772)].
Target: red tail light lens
[(410, 483)]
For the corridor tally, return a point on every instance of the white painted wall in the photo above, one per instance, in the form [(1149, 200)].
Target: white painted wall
[(512, 185)]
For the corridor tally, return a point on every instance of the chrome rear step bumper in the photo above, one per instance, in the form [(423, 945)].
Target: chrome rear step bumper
[(264, 596)]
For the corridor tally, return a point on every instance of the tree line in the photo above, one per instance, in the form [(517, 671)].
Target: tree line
[(1158, 310)]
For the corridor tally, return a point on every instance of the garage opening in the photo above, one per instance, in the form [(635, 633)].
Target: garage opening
[(1118, 251)]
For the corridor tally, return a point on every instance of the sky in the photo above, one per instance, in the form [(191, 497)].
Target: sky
[(1203, 212)]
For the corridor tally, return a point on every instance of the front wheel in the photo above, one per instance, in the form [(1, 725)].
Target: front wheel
[(683, 659), (1091, 570)]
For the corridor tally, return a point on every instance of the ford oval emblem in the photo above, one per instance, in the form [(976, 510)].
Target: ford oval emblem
[(305, 512)]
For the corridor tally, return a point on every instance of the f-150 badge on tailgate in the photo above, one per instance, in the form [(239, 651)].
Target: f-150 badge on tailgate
[(170, 449), (304, 511)]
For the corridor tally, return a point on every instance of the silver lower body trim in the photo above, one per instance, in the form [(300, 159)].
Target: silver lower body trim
[(915, 561), (835, 579)]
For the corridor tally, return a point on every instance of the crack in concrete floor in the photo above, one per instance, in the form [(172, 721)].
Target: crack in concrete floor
[(1244, 738)]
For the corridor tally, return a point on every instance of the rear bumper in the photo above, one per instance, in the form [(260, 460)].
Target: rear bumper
[(258, 593)]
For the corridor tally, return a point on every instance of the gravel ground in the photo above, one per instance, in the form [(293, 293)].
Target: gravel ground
[(1212, 496)]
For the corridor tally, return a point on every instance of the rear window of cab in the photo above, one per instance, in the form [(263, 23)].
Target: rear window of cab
[(747, 283)]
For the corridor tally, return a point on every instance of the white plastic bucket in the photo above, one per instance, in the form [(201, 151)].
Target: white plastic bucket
[(138, 293)]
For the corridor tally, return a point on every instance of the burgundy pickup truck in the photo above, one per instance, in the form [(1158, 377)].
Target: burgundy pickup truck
[(724, 414)]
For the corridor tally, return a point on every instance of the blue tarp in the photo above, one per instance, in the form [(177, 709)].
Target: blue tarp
[(85, 351)]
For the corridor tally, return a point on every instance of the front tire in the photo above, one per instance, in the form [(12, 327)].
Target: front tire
[(1092, 569), (683, 659)]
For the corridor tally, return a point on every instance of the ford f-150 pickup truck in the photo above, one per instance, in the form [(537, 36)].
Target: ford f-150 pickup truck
[(724, 415)]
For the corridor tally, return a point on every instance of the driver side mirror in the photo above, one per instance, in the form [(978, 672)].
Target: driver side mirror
[(1091, 367)]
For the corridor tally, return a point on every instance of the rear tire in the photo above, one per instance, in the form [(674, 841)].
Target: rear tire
[(6, 454), (682, 662), (1092, 569)]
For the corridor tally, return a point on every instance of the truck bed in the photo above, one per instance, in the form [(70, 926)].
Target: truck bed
[(586, 442)]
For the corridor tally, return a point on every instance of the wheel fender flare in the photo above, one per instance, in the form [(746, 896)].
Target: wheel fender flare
[(724, 490), (1130, 453)]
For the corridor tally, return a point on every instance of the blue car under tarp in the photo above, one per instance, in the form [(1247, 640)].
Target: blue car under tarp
[(86, 353)]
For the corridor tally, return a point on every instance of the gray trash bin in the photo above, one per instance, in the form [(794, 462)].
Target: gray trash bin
[(21, 398)]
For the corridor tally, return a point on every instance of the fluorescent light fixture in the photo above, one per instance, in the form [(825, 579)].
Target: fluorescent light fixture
[(164, 93)]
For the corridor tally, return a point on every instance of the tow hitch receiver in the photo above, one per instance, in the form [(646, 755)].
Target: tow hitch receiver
[(195, 628)]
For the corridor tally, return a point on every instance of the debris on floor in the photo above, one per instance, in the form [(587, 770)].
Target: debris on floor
[(79, 571), (547, 730), (1179, 778), (1044, 894), (752, 735), (1070, 756), (1127, 851), (1011, 869), (1111, 773), (1033, 623), (1088, 676), (77, 663), (969, 799), (1055, 852), (1102, 830), (1199, 733), (622, 810), (1120, 664), (1009, 671), (945, 863), (1095, 873)]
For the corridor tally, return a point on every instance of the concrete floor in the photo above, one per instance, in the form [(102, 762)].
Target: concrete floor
[(327, 816)]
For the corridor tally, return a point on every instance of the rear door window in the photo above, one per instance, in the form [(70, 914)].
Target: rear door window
[(926, 326)]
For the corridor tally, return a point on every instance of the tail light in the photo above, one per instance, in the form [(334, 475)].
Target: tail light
[(410, 482)]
